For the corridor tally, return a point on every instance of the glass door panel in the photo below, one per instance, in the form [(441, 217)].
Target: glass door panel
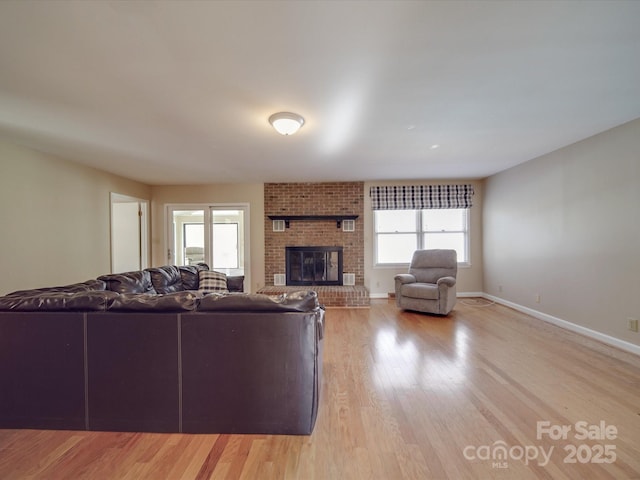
[(227, 239), (188, 237)]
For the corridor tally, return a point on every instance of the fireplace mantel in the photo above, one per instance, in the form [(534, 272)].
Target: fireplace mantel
[(312, 218)]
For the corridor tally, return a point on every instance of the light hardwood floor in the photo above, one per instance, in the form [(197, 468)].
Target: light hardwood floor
[(405, 396)]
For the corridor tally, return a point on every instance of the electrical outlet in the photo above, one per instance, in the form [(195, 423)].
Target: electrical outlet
[(537, 298), (500, 288), (633, 324)]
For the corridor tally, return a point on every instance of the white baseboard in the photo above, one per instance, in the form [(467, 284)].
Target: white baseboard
[(469, 294), (604, 338), (378, 295), (458, 295)]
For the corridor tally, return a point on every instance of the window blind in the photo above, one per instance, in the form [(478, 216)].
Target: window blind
[(416, 197)]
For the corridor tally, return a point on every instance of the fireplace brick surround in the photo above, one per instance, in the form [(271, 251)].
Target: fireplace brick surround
[(316, 199)]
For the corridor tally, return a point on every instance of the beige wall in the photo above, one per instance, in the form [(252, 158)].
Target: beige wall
[(253, 194), (380, 281), (55, 219), (562, 226), (566, 226)]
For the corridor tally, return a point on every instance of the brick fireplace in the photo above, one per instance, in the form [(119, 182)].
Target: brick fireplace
[(313, 214)]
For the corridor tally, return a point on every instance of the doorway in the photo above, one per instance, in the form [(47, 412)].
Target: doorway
[(129, 233)]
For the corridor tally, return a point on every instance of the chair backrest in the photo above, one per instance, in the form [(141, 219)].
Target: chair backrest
[(430, 265), (194, 255)]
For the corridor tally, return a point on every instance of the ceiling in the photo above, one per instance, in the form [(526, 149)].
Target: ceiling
[(168, 92)]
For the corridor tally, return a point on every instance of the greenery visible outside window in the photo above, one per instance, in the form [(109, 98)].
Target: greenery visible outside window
[(398, 233)]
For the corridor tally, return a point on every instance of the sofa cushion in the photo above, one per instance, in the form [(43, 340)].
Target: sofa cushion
[(189, 275), (145, 302), (129, 282), (300, 301), (425, 291), (166, 279), (212, 281)]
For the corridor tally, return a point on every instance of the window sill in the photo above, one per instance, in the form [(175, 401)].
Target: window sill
[(389, 266)]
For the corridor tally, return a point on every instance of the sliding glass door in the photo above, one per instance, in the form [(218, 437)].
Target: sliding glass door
[(217, 235)]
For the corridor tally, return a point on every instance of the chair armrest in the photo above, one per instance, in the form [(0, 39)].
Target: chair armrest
[(448, 281), (399, 280), (403, 278)]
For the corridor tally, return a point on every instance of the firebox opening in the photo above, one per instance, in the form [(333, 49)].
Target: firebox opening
[(314, 265)]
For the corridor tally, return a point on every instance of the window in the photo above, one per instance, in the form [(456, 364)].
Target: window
[(398, 233)]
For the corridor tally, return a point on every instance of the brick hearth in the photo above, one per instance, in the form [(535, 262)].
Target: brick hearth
[(329, 296)]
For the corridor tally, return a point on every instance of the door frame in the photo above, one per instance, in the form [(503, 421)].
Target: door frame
[(169, 247)]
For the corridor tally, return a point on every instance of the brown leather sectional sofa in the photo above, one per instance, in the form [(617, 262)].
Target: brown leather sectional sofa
[(128, 353)]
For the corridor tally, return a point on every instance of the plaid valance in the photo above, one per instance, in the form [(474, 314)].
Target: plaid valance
[(415, 197)]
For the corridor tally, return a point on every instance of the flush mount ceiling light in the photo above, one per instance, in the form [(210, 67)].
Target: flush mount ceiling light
[(286, 123)]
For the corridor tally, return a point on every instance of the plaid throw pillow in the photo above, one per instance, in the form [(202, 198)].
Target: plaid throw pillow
[(212, 281)]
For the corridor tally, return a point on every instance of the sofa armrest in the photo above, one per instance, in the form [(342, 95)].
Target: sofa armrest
[(92, 301), (448, 281), (235, 283)]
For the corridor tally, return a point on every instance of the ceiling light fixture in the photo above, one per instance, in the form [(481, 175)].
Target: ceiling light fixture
[(286, 123)]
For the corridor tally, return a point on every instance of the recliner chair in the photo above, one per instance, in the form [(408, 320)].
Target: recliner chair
[(194, 255), (430, 285)]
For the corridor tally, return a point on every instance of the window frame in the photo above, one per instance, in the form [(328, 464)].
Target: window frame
[(420, 233)]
